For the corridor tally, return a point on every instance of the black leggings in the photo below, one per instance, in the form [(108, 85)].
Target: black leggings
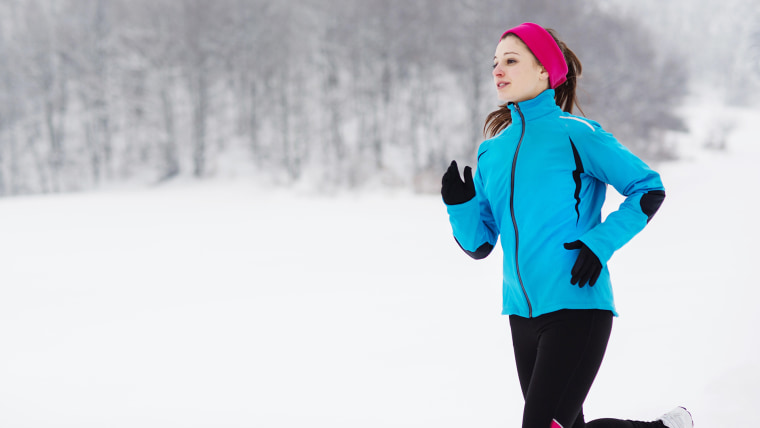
[(558, 356)]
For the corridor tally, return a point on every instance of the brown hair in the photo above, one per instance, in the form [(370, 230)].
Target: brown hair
[(564, 94)]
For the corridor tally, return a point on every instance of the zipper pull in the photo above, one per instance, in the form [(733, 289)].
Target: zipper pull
[(517, 107)]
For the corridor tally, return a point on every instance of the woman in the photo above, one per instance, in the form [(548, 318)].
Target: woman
[(540, 184)]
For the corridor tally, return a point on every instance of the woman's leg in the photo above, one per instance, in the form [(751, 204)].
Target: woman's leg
[(558, 356), (617, 423), (525, 344), (542, 348), (571, 347)]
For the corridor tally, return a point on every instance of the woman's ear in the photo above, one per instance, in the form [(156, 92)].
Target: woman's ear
[(543, 74)]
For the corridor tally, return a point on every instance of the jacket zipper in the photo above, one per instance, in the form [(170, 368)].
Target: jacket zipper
[(512, 211)]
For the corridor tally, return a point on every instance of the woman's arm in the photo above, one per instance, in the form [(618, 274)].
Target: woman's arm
[(605, 159), (472, 221)]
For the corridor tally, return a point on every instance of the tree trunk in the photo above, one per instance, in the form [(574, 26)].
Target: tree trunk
[(200, 107), (169, 150)]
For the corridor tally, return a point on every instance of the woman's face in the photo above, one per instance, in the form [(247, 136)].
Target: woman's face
[(516, 72)]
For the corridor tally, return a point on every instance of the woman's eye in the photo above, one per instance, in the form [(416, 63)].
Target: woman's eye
[(508, 61)]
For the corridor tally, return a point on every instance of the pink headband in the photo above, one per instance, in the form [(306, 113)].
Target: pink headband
[(543, 46)]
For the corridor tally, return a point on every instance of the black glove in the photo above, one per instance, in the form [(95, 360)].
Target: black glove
[(587, 267), (453, 189)]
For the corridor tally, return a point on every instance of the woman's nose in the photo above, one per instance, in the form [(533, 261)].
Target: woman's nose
[(497, 72)]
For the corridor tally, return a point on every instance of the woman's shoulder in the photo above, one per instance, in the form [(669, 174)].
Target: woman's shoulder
[(581, 129), (579, 124), (484, 146), (488, 141), (587, 135)]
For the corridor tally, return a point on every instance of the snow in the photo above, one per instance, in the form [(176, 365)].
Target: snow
[(222, 304)]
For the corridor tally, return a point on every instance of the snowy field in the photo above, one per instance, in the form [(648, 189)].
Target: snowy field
[(224, 305)]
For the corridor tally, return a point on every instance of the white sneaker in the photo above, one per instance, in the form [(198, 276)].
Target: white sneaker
[(677, 418)]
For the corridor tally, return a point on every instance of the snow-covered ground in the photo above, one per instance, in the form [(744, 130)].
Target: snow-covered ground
[(224, 305)]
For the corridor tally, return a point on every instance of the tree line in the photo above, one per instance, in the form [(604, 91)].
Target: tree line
[(332, 93)]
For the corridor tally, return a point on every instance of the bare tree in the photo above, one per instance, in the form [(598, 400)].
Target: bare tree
[(48, 80), (151, 28), (249, 62), (199, 44), (84, 41)]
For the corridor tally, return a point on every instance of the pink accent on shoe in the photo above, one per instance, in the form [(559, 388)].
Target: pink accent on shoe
[(556, 424)]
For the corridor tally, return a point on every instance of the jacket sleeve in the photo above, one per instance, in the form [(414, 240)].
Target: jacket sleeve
[(605, 159), (474, 227)]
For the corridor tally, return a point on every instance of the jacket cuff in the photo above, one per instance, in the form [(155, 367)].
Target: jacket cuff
[(465, 220)]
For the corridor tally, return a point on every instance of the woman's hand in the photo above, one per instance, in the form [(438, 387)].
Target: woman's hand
[(453, 189), (587, 267)]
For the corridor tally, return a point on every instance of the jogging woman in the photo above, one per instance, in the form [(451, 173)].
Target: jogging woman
[(540, 184)]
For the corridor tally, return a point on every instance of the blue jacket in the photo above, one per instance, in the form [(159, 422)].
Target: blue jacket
[(541, 183)]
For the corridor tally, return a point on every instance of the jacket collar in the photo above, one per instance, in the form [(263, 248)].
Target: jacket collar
[(535, 108)]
